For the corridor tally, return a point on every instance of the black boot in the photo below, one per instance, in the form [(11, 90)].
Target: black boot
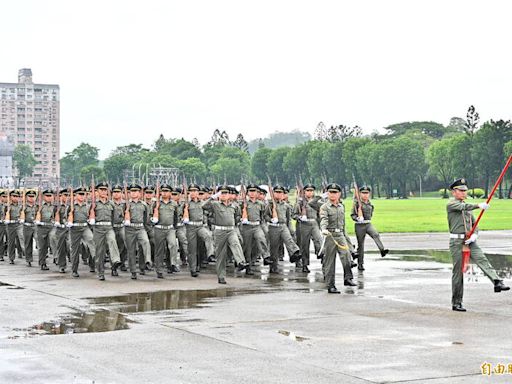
[(384, 252), (44, 267), (123, 268), (267, 261), (134, 275), (29, 263), (194, 274), (349, 283), (458, 308), (249, 272), (243, 265), (360, 267), (62, 270), (175, 268), (160, 275), (75, 274), (499, 286), (333, 289), (222, 280), (305, 269), (101, 277), (295, 257)]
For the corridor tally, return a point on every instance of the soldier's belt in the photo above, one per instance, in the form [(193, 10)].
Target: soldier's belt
[(46, 224), (79, 224), (308, 221), (103, 223), (363, 222), (457, 236), (252, 223), (164, 226), (195, 223), (118, 225), (180, 225), (223, 228), (29, 224), (136, 225), (334, 230), (277, 224)]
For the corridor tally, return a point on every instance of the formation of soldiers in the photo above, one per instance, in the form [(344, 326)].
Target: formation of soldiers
[(157, 228)]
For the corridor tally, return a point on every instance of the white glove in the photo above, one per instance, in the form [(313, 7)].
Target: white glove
[(303, 218), (483, 206), (56, 225), (274, 220), (7, 221), (360, 219), (37, 222), (21, 221), (126, 222), (325, 195), (153, 199), (154, 220), (186, 221), (69, 224), (325, 232), (245, 221), (91, 221), (216, 195), (471, 239)]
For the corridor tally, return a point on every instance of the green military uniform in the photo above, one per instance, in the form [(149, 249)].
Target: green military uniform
[(332, 219), (364, 227), (181, 233), (307, 216), (279, 231), (29, 229), (460, 222), (80, 234), (104, 235), (44, 228), (225, 234), (165, 233), (3, 231), (62, 234), (117, 224), (14, 230), (136, 235), (196, 231)]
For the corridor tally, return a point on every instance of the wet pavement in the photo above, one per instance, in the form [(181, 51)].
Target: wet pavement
[(396, 325)]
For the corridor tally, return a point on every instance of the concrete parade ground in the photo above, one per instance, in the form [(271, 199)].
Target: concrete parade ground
[(396, 326)]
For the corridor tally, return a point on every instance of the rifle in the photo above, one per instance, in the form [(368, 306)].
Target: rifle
[(23, 205), (39, 204), (358, 198), (244, 201), (157, 203), (8, 212), (71, 215), (57, 213), (127, 203), (302, 194), (271, 191), (92, 210), (185, 192)]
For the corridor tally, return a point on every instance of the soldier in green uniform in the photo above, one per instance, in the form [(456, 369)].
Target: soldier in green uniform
[(79, 231), (460, 221), (194, 220), (165, 218), (150, 199), (364, 226), (3, 231), (225, 234), (27, 218), (101, 218), (136, 234), (279, 231), (254, 241), (117, 224), (62, 231), (14, 227), (332, 225), (306, 213), (45, 226), (181, 231)]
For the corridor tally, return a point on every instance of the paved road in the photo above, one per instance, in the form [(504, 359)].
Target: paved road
[(395, 326)]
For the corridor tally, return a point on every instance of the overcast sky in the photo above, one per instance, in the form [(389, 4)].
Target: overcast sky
[(130, 70)]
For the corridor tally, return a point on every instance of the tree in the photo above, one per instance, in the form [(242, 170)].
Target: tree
[(193, 167), (441, 160), (219, 139), (259, 164), (240, 143), (275, 164), (295, 163), (429, 128), (73, 162), (320, 132), (24, 160), (88, 171), (343, 132)]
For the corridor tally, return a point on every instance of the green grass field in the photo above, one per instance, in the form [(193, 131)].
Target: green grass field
[(428, 215)]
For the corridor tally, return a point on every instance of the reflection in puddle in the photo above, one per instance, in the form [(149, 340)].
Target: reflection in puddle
[(292, 336)]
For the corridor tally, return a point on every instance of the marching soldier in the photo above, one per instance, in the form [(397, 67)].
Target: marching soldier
[(460, 221), (363, 225), (3, 230), (102, 217), (62, 231), (149, 198), (117, 224), (28, 215), (307, 215), (278, 217), (254, 240), (194, 220), (181, 231), (332, 225), (14, 227), (80, 233), (165, 219), (225, 234), (136, 234), (45, 226)]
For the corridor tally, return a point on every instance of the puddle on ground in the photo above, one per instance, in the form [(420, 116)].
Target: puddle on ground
[(502, 263), (292, 336)]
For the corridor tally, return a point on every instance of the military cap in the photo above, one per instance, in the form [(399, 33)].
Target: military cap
[(80, 190), (48, 192), (365, 188), (103, 184), (286, 189), (64, 191), (193, 186), (134, 187), (224, 188), (117, 188), (234, 191), (165, 188), (149, 189), (460, 184), (207, 189), (30, 192), (178, 190), (14, 192), (334, 187), (278, 188), (253, 187), (2, 192), (203, 189), (262, 190), (309, 186)]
